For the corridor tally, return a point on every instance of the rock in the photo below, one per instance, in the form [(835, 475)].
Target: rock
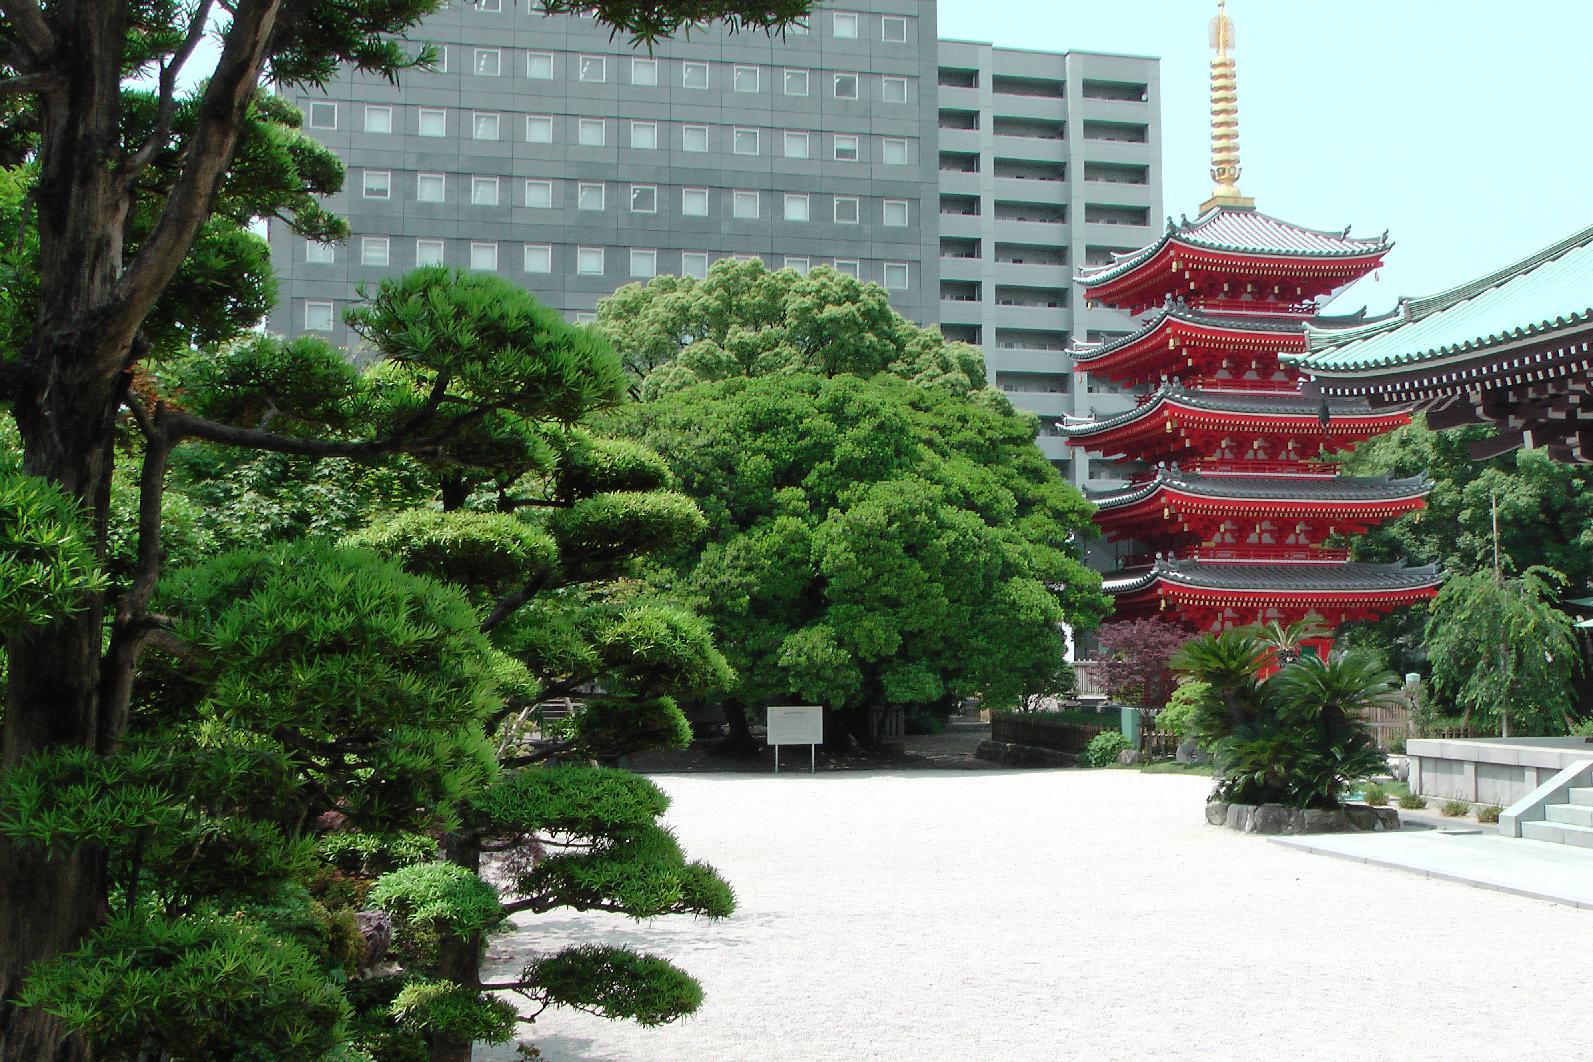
[(1270, 819), (1128, 757), (1360, 817), (1238, 817), (1190, 752), (377, 929), (1009, 755), (1319, 820), (1217, 812), (1387, 818), (1400, 767)]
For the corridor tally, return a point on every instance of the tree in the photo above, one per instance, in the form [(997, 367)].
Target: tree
[(1134, 657), (1503, 652), (872, 540), (123, 186)]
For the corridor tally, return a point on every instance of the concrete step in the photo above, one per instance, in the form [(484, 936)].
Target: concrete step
[(1574, 814), (1559, 833), (1582, 795)]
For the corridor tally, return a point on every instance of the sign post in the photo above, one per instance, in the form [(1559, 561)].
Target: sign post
[(800, 724)]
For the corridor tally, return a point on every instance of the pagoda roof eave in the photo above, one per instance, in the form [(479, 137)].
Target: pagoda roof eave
[(1261, 582), (1244, 234), (1337, 492), (1165, 320), (1286, 409)]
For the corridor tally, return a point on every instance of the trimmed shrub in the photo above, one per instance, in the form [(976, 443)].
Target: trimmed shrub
[(1412, 802), (1103, 749)]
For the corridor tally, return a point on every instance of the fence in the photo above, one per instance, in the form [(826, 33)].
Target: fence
[(1070, 736), (1389, 723)]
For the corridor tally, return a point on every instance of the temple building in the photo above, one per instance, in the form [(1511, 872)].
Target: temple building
[(1229, 522), (1513, 349)]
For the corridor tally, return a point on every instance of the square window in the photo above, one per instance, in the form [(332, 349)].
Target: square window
[(489, 5), (378, 184), (896, 213), (746, 258), (798, 27), (800, 264), (539, 128), (485, 126), (744, 79), (318, 253), (896, 276), (846, 86), (644, 71), (373, 250), (845, 147), (538, 258), (428, 252), (850, 266), (588, 196), (378, 119), (592, 132), (694, 75), (694, 264), (694, 138), (430, 188), (433, 122), (593, 68), (894, 151), (440, 66), (644, 199), (488, 62), (846, 212), (798, 145), (893, 89), (318, 316), (694, 202), (321, 115), (585, 317), (539, 194), (644, 135), (484, 256), (589, 260), (744, 204), (796, 206), (745, 142), (893, 29), (846, 25), (796, 82), (483, 191), (539, 65), (644, 263)]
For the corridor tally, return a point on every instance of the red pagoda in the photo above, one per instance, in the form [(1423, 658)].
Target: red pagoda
[(1230, 526)]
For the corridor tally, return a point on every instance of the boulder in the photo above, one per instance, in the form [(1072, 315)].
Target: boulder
[(1128, 757), (1238, 817), (1217, 812), (1189, 752), (1271, 819)]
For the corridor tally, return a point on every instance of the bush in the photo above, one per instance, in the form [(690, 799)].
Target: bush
[(1412, 802), (1455, 808), (1397, 746), (1179, 715), (1103, 749), (1375, 796), (1490, 813)]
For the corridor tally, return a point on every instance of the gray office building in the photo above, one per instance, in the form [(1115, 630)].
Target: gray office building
[(969, 181), (1047, 162)]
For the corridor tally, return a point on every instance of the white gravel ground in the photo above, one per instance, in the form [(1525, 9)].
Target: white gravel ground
[(938, 916)]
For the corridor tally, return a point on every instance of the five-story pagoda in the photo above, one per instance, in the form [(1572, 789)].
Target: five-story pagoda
[(1231, 523)]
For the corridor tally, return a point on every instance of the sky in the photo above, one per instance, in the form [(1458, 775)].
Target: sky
[(1458, 125)]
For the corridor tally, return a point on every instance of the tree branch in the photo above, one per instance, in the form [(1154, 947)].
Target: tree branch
[(26, 83), (167, 107), (511, 603), (32, 31)]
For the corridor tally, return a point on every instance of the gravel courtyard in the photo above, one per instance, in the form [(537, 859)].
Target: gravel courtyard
[(1067, 915)]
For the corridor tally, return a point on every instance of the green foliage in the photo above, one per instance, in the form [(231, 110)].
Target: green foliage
[(488, 551), (1454, 809), (639, 872), (192, 990), (590, 464), (571, 799), (426, 897), (1412, 802), (1183, 707), (614, 983), (1374, 796), (1527, 650), (1299, 737), (605, 526), (442, 1008), (1103, 749), (1490, 813), (48, 569)]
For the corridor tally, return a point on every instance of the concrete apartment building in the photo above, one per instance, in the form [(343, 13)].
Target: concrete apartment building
[(970, 181)]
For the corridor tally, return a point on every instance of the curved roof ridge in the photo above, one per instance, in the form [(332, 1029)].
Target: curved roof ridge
[(1424, 305), (1211, 216)]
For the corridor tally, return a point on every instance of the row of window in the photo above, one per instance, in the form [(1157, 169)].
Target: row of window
[(537, 258), (539, 194), (844, 25), (694, 74), (644, 135)]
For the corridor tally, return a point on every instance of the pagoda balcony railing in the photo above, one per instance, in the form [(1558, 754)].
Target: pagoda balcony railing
[(1216, 466), (1245, 554), (1220, 383), (1255, 308)]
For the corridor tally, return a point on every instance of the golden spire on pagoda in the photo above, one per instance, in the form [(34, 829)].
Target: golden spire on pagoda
[(1224, 118)]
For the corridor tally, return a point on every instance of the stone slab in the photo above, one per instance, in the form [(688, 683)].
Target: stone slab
[(1537, 869)]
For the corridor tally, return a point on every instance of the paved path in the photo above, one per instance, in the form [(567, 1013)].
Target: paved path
[(1044, 915)]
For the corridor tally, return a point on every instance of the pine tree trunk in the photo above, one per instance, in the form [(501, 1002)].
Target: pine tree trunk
[(458, 957)]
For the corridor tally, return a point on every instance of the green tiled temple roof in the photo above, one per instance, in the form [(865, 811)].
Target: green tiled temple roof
[(1542, 293), (1243, 232)]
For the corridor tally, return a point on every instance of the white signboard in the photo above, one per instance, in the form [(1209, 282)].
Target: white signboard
[(801, 724)]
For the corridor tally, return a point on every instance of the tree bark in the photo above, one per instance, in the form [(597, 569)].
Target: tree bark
[(458, 957)]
